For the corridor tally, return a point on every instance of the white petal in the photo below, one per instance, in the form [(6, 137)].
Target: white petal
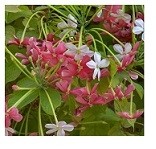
[(62, 25), (61, 123), (140, 23), (91, 64), (60, 132), (70, 46), (50, 126), (127, 18), (51, 131), (72, 22), (128, 47), (78, 56), (118, 48), (84, 48), (72, 33), (97, 57), (119, 56), (104, 63), (137, 30), (96, 70), (142, 37), (68, 127), (70, 52), (11, 130), (99, 75)]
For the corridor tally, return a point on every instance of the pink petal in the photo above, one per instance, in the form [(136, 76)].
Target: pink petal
[(129, 89)]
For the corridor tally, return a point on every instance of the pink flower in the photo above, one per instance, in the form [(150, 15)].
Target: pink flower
[(133, 75), (87, 98), (127, 115), (63, 85), (12, 114), (126, 93), (129, 58)]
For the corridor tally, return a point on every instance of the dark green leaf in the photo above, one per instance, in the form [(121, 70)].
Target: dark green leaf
[(139, 90)]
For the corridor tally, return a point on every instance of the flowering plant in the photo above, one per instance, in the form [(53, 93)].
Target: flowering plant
[(74, 70)]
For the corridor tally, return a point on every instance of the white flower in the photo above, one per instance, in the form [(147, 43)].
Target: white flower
[(71, 22), (139, 28), (78, 53), (9, 131), (121, 15), (60, 128), (122, 51), (97, 64)]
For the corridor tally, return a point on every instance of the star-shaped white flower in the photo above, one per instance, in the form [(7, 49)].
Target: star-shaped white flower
[(97, 64), (78, 53), (121, 15), (122, 51), (71, 22), (139, 28), (60, 128)]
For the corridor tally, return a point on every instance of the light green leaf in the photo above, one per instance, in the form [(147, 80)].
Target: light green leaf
[(139, 89), (12, 72), (9, 33), (18, 94), (12, 8)]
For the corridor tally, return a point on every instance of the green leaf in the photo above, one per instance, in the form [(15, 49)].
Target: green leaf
[(116, 130), (18, 94), (55, 99), (113, 68), (27, 83), (103, 85), (9, 33), (139, 89), (12, 8), (12, 72), (94, 123)]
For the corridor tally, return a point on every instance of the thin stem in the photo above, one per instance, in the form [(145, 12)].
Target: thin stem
[(26, 26), (93, 41), (18, 63), (94, 122), (40, 121), (44, 32), (21, 99), (131, 104), (80, 37), (101, 41), (21, 126), (52, 107), (110, 52), (26, 123), (133, 18), (94, 15), (100, 29)]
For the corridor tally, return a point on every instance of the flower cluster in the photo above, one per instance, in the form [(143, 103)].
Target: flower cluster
[(73, 69)]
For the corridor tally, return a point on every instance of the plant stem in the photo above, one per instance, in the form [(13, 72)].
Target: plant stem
[(133, 19), (20, 66), (110, 51), (93, 41), (21, 99), (42, 26), (26, 123), (131, 104), (40, 121), (80, 37), (101, 41), (109, 35), (26, 26), (52, 107)]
